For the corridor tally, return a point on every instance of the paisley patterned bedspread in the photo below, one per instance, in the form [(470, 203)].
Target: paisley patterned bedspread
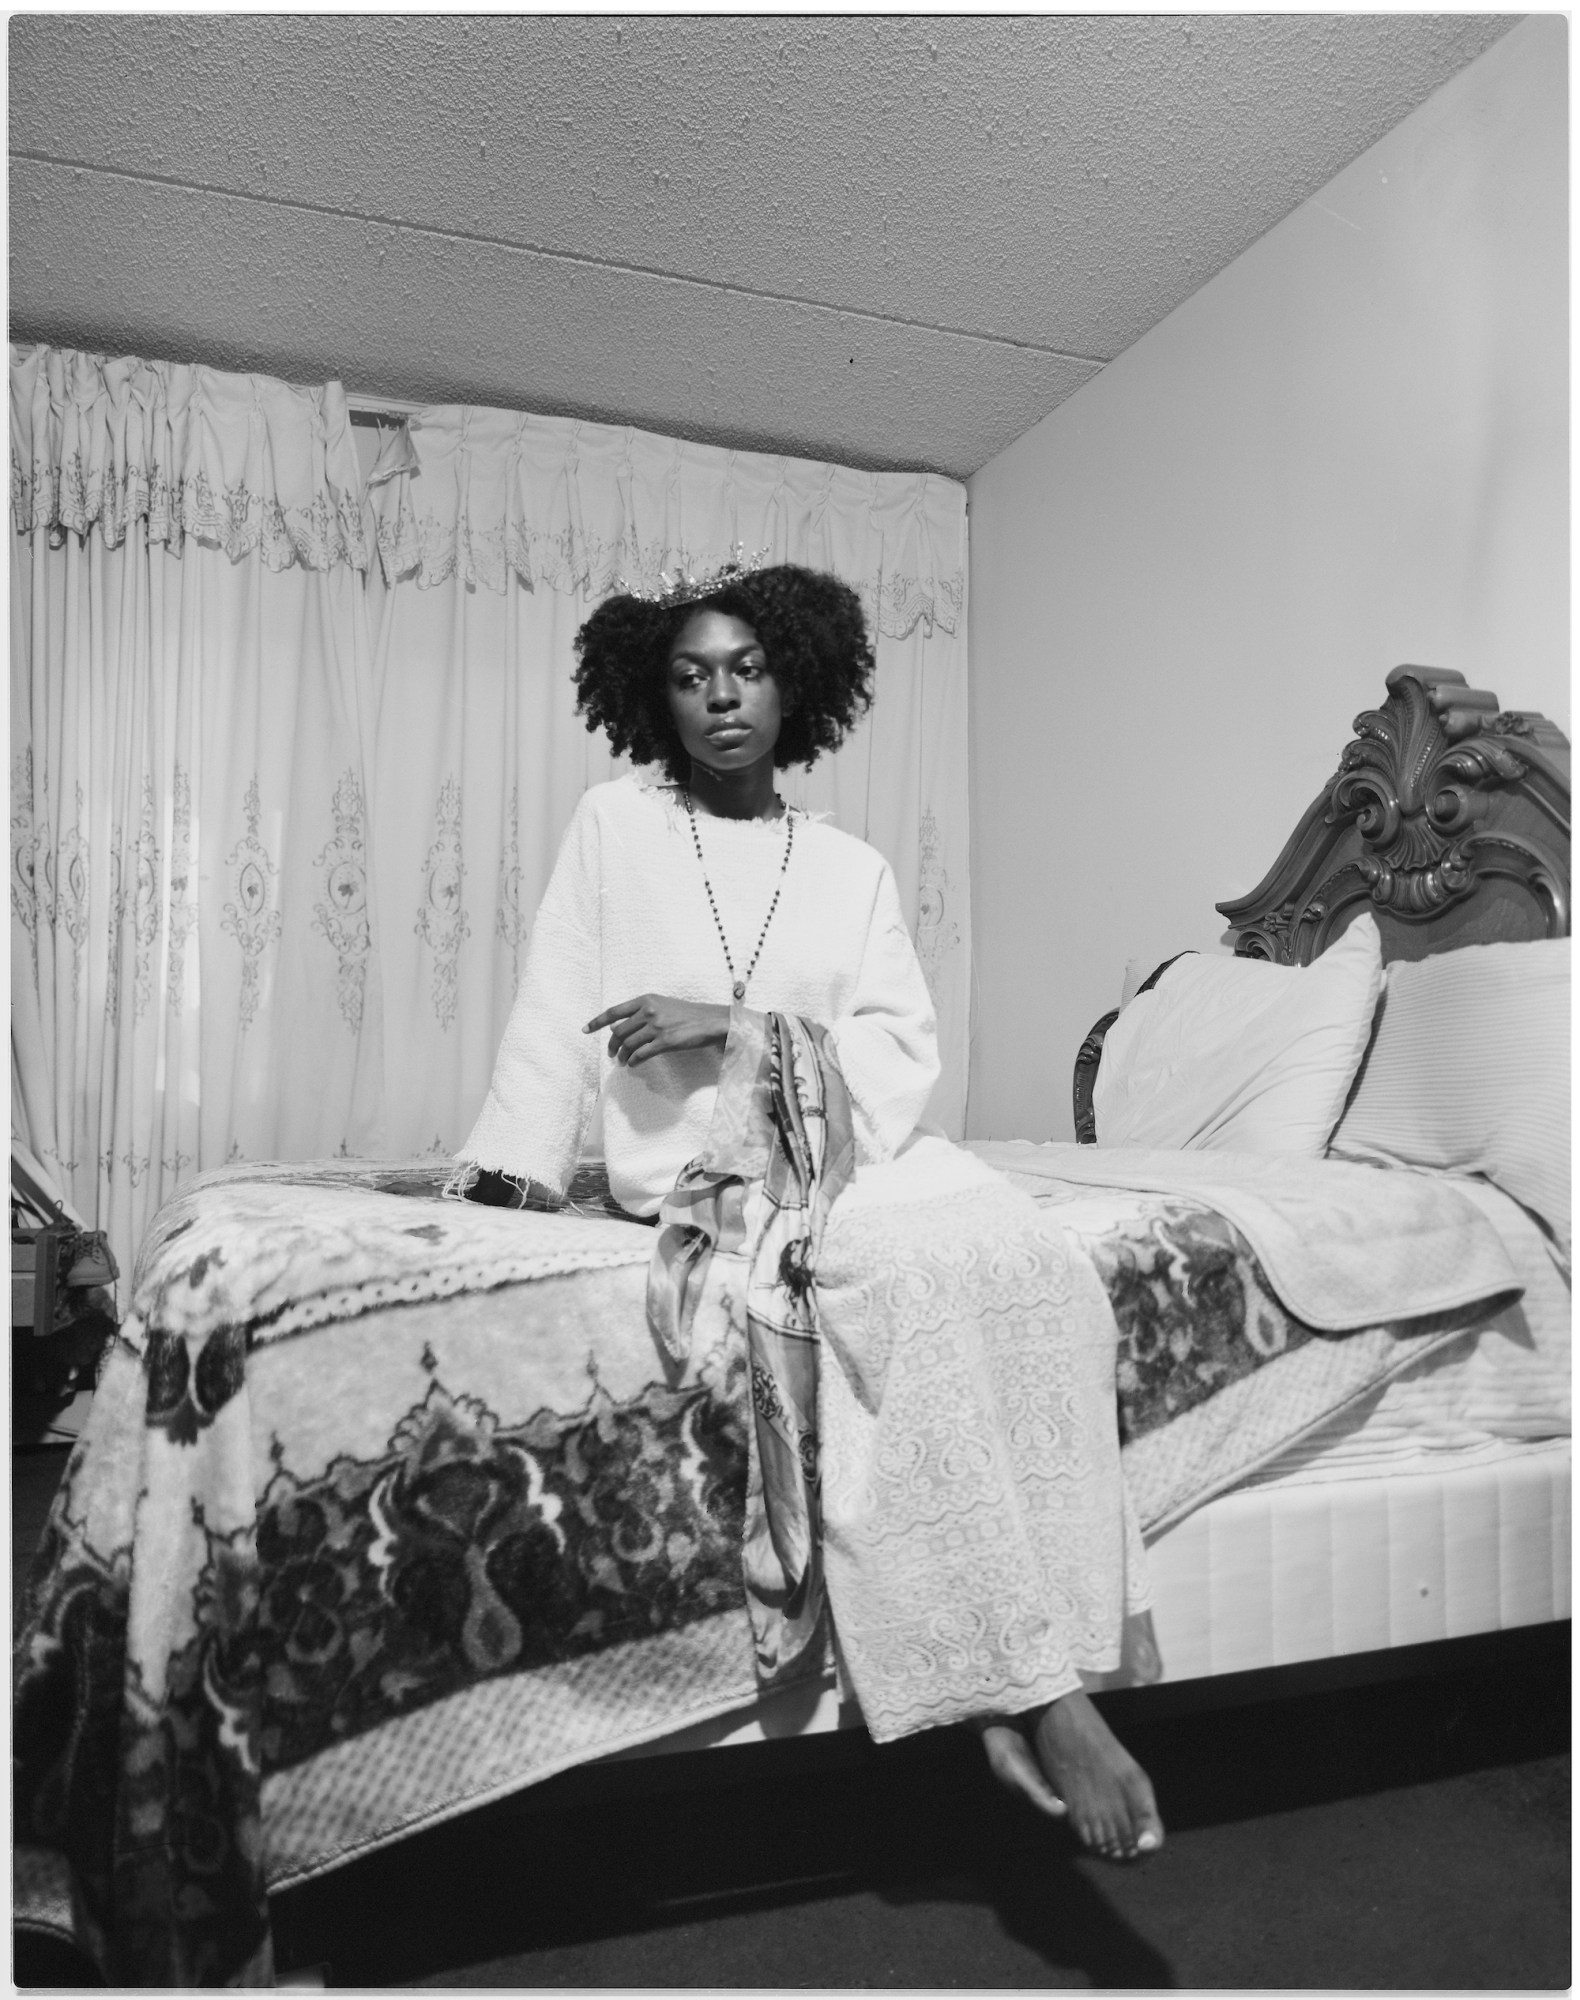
[(1215, 1376), (389, 1506)]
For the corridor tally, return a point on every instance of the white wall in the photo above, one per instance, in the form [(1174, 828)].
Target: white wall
[(1348, 450)]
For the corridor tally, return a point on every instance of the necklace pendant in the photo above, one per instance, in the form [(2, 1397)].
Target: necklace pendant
[(739, 989)]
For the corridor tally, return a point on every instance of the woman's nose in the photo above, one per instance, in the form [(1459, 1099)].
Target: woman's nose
[(722, 691)]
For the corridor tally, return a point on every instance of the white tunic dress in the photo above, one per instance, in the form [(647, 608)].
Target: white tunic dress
[(626, 912), (980, 1553)]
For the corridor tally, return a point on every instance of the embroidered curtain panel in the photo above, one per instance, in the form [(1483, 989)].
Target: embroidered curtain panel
[(292, 751), (187, 662), (496, 535)]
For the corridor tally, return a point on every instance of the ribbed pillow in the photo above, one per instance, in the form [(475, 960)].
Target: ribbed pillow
[(1469, 1073), (1239, 1055)]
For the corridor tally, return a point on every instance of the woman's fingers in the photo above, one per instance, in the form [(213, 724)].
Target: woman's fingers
[(623, 1020), (649, 1036), (653, 1024), (636, 1036), (618, 1012)]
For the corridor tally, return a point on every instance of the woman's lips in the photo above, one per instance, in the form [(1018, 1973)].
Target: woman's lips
[(735, 733)]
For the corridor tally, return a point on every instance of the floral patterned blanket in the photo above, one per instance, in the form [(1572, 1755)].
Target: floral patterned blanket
[(389, 1506)]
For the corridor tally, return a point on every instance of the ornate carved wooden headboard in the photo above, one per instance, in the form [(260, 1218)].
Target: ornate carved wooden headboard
[(1448, 819)]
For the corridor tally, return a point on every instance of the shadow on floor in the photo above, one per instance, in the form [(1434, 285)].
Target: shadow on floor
[(1322, 1841), (900, 1870)]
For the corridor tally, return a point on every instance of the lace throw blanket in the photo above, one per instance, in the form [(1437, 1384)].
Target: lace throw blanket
[(982, 1551)]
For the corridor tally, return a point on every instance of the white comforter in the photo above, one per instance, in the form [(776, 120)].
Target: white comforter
[(1343, 1246)]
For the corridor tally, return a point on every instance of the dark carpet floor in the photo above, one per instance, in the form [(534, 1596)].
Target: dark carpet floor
[(1408, 1835)]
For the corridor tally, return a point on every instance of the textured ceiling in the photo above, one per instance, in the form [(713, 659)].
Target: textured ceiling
[(889, 241)]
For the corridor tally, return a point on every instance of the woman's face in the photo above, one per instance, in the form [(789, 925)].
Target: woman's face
[(724, 701)]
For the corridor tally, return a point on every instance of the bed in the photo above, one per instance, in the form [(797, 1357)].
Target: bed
[(1444, 1512), (386, 1508)]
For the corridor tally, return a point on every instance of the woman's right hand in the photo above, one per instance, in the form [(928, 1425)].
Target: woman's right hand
[(655, 1024)]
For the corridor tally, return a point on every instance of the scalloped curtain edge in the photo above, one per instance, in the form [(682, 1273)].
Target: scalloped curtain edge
[(491, 466), (151, 429), (896, 604), (130, 440)]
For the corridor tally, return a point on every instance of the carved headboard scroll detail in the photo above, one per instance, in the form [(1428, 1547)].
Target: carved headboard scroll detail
[(1448, 818)]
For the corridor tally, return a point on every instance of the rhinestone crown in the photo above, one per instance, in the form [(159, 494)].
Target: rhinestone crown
[(681, 586)]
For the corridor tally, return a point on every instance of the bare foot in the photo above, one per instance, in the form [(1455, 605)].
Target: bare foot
[(1014, 1763), (1074, 1766)]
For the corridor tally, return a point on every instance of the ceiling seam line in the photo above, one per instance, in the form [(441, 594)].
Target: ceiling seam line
[(563, 256)]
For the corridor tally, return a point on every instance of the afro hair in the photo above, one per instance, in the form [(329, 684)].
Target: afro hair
[(810, 626)]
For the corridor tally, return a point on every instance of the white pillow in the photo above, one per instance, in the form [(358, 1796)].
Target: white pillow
[(1234, 1054), (1469, 1073)]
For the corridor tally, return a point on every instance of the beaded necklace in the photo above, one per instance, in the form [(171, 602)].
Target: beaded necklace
[(738, 986)]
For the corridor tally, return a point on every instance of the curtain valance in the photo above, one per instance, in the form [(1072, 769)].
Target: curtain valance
[(238, 462), (479, 495)]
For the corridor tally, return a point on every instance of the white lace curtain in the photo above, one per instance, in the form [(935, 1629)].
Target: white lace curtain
[(282, 812), (188, 664)]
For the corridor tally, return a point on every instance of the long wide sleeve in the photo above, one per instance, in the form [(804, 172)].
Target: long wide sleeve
[(887, 1039), (545, 1080)]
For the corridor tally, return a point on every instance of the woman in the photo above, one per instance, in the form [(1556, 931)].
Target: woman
[(680, 916), (668, 898)]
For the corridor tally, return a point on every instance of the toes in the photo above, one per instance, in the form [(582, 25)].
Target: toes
[(1145, 1820), (1111, 1806), (1137, 1843), (1098, 1833), (1118, 1837)]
